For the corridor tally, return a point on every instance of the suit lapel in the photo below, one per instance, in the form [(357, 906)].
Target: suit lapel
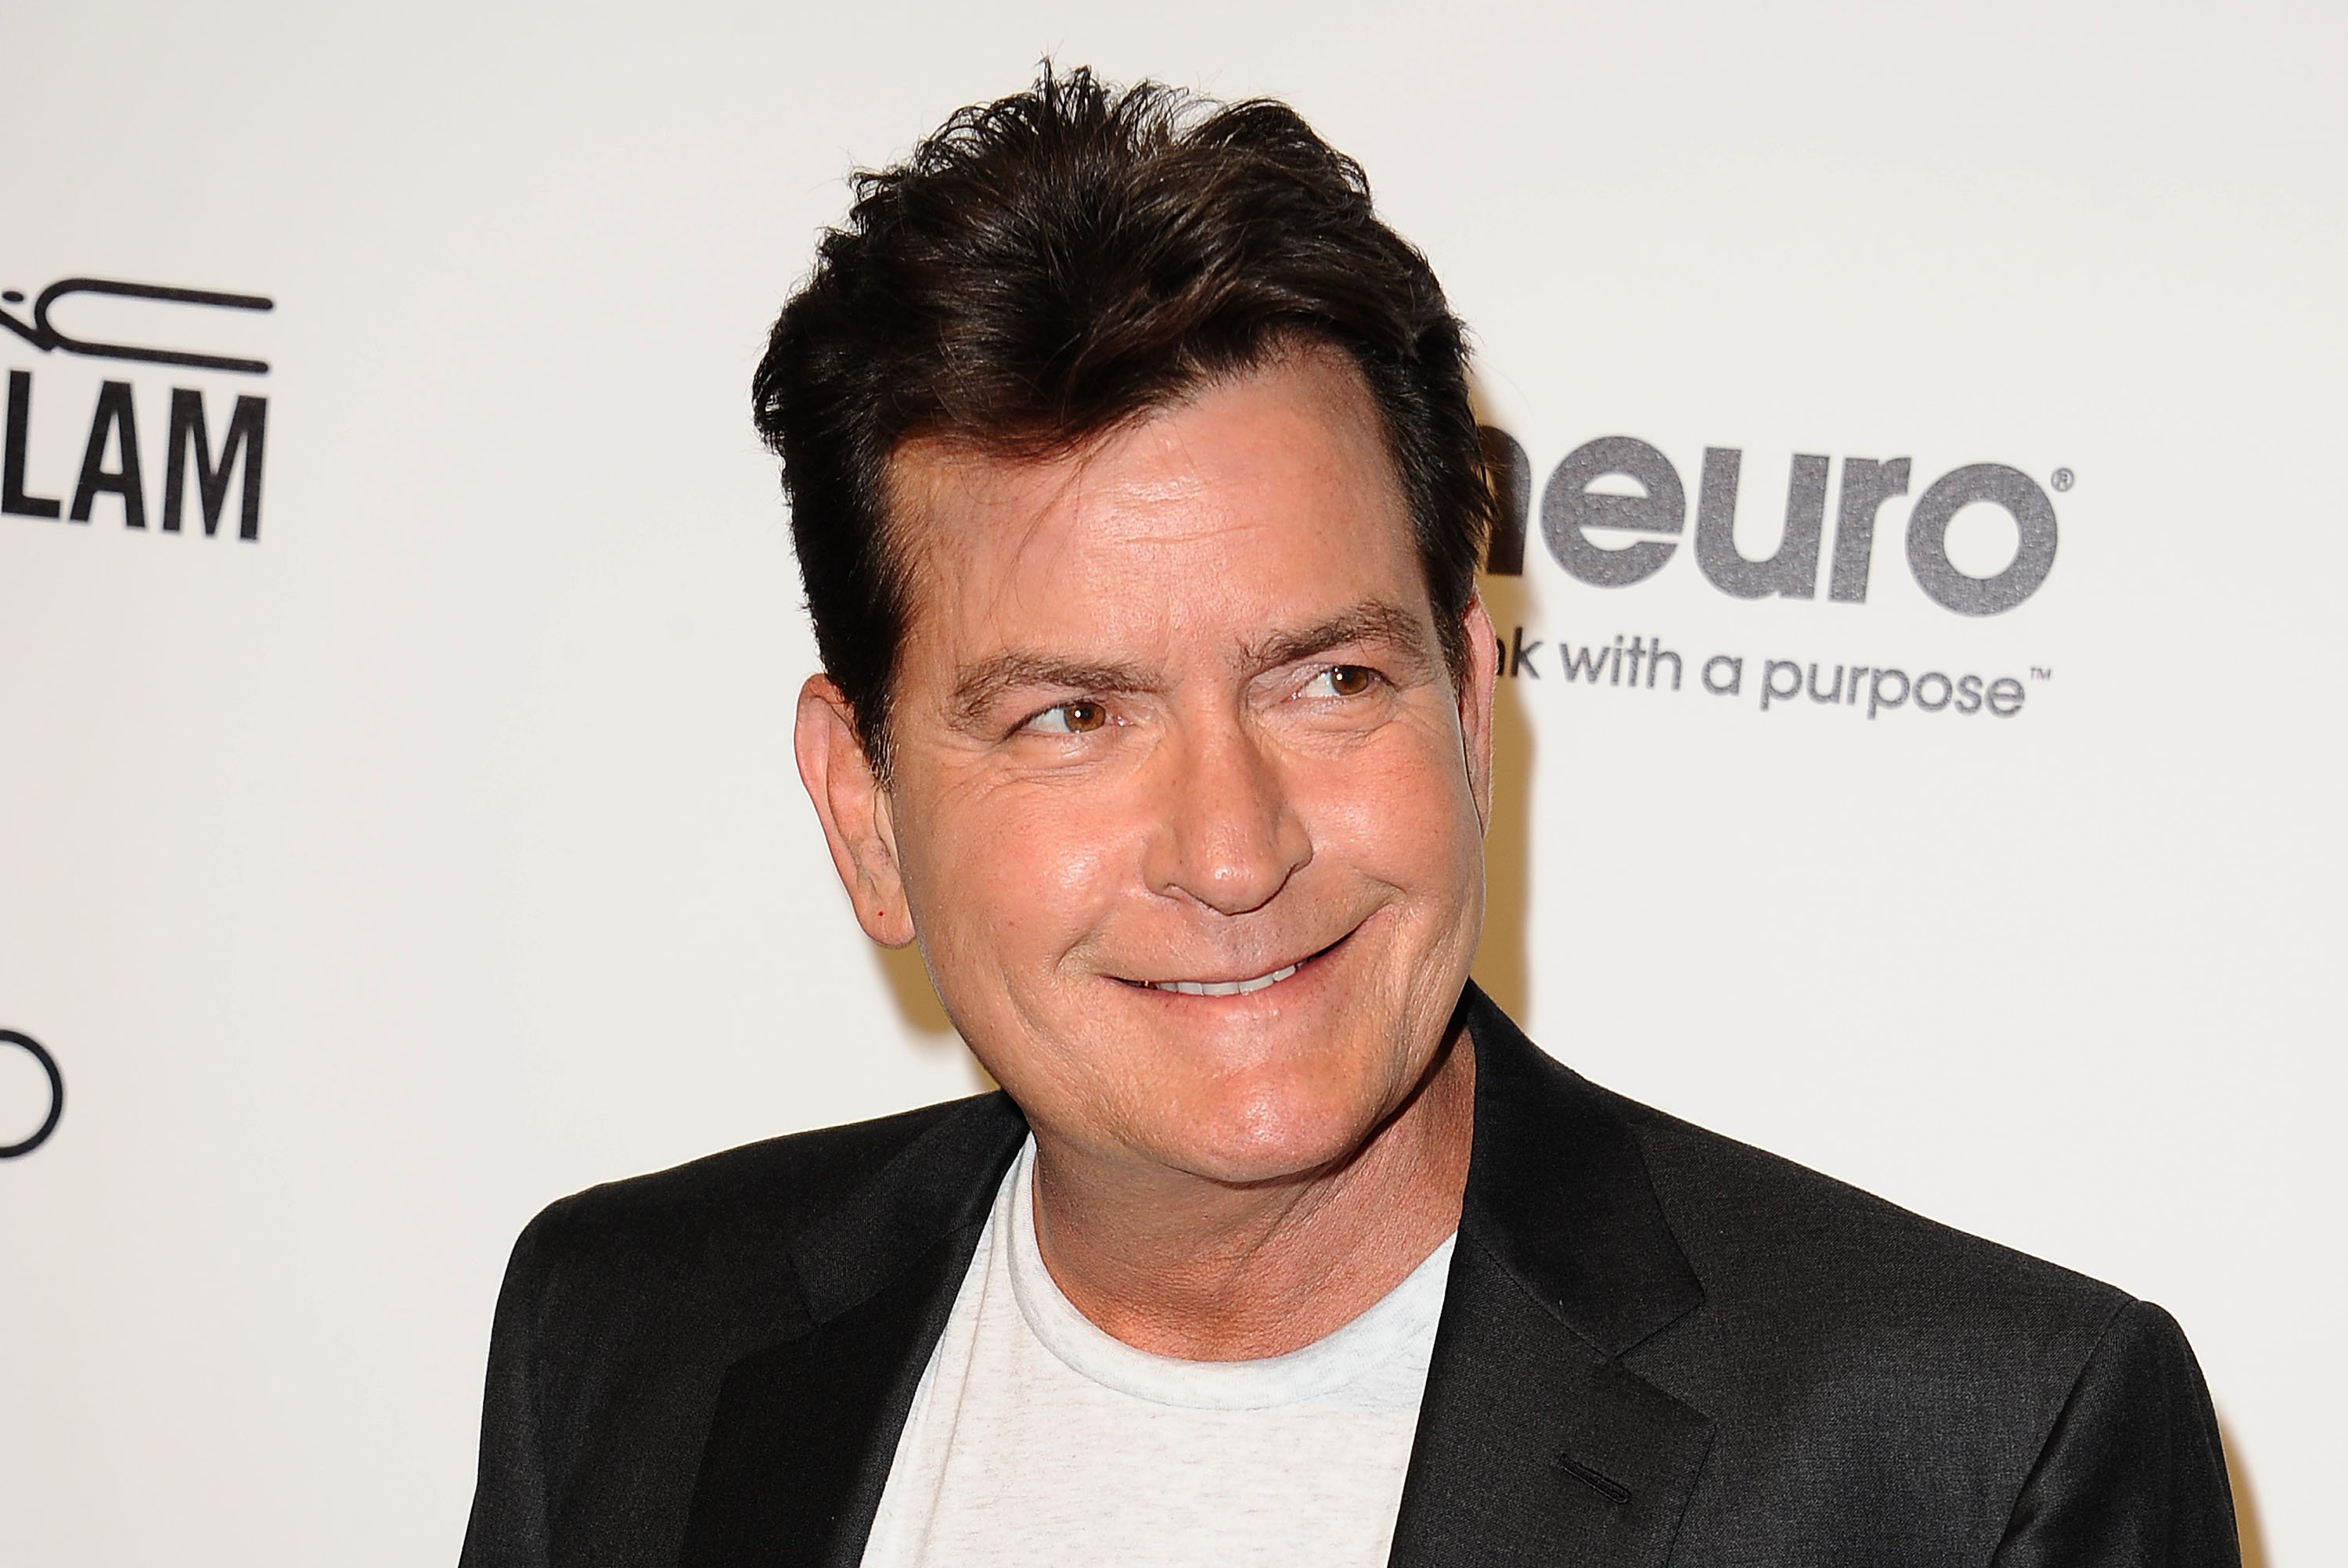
[(805, 1431), (1535, 1444)]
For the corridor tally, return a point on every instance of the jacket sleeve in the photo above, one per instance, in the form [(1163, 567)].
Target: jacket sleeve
[(510, 1523), (2133, 1474)]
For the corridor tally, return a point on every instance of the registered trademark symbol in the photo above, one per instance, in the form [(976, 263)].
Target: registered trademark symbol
[(2065, 478)]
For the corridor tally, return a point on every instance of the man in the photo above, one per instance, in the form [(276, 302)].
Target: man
[(1137, 495)]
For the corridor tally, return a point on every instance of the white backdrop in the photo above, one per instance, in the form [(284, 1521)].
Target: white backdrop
[(437, 852)]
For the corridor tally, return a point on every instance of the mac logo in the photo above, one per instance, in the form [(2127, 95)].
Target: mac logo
[(115, 465), (44, 335)]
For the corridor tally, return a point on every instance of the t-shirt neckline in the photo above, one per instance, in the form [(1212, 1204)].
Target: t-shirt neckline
[(1386, 1330)]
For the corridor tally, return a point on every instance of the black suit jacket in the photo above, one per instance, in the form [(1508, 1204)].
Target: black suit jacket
[(1658, 1347)]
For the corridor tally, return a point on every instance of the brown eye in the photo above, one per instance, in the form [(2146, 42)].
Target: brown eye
[(1070, 718), (1345, 679)]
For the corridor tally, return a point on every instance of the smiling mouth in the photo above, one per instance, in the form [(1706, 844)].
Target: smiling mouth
[(1235, 988), (1222, 987)]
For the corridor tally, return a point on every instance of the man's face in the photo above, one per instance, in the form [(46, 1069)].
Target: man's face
[(1185, 809)]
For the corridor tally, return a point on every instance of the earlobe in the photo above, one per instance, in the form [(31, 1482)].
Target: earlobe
[(853, 806)]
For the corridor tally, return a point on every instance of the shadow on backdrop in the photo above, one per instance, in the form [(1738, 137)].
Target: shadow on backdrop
[(916, 998), (917, 1003), (2246, 1502), (1504, 962)]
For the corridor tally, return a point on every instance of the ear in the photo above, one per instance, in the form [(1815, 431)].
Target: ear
[(1476, 706), (854, 810)]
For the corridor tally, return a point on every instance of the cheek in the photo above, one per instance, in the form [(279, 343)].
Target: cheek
[(1015, 877), (1404, 816)]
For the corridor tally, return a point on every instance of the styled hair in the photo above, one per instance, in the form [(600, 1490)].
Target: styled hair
[(1046, 268)]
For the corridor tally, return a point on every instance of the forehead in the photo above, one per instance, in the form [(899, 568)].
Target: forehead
[(1256, 499)]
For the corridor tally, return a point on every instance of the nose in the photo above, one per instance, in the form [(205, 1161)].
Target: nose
[(1226, 836)]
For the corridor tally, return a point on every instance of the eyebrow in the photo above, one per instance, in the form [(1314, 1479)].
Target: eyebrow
[(983, 684), (1374, 620)]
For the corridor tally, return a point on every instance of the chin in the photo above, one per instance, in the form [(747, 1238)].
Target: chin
[(1273, 1132)]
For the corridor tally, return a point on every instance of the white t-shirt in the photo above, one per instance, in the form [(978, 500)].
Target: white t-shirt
[(1038, 1438)]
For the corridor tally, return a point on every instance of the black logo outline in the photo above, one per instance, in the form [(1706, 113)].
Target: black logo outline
[(45, 337), (57, 1094)]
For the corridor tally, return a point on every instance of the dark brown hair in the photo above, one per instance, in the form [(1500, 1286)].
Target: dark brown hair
[(1046, 268)]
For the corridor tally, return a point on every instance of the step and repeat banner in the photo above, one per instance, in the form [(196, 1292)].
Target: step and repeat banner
[(1921, 736)]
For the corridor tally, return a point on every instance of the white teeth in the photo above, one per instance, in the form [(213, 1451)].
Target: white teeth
[(1223, 988)]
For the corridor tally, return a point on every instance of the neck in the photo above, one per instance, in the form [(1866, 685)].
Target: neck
[(1210, 1271)]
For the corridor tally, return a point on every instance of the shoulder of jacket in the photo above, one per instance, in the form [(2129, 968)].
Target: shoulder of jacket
[(723, 1209), (1758, 1227)]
